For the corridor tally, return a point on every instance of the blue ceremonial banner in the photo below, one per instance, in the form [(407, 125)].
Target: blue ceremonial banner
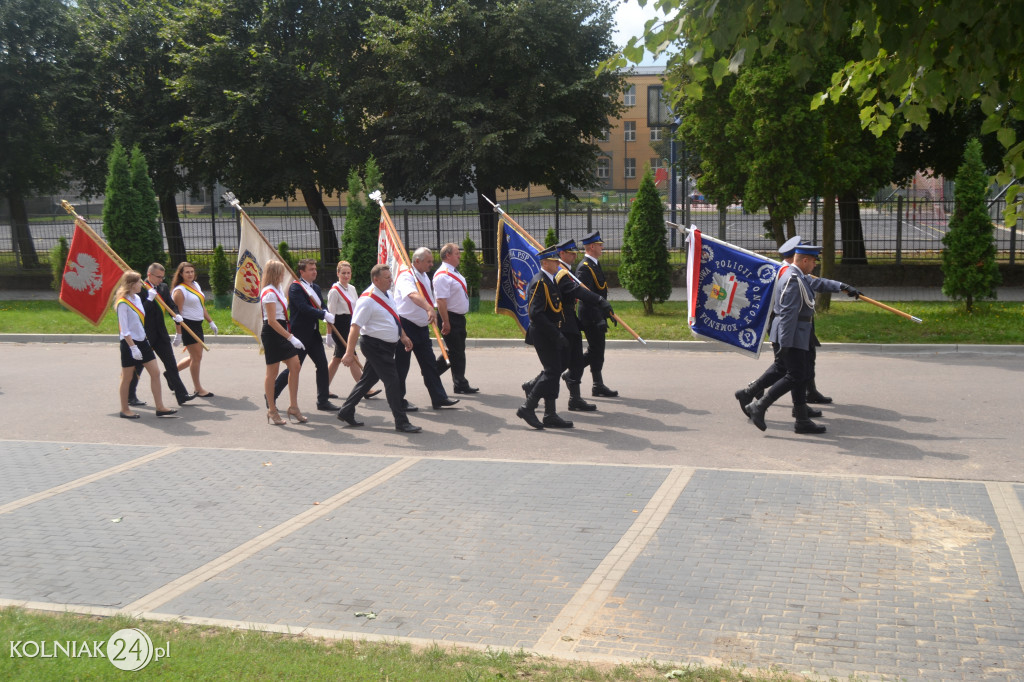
[(517, 264), (729, 291)]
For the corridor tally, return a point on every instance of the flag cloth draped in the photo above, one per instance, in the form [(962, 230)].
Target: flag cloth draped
[(253, 253), (390, 250), (729, 291), (517, 264), (90, 275)]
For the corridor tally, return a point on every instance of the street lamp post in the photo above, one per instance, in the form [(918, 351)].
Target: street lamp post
[(659, 115)]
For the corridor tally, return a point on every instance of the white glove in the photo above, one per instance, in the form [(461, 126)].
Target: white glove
[(177, 340), (136, 352), (329, 318), (177, 319), (151, 294), (295, 342), (213, 326), (329, 341)]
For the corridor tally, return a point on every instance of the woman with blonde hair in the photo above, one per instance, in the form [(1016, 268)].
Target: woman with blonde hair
[(135, 349), (341, 300), (191, 302), (279, 344)]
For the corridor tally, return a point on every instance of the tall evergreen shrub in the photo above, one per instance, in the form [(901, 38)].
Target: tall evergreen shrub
[(362, 223), (645, 271)]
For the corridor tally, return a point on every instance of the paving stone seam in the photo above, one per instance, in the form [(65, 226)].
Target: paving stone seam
[(565, 630), (1010, 513), (192, 579), (85, 480)]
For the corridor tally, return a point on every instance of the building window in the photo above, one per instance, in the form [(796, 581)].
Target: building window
[(604, 136), (604, 168), (629, 131), (655, 134), (630, 168), (629, 98), (656, 163)]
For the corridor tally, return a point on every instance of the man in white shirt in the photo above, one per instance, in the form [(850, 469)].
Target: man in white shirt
[(376, 321), (414, 300), (452, 294)]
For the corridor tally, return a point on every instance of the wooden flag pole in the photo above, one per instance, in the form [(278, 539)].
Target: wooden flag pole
[(883, 306), (394, 237), (81, 224)]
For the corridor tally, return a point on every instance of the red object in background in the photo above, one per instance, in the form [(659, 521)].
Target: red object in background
[(90, 276), (660, 176)]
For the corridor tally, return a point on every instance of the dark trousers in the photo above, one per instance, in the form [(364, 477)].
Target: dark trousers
[(595, 348), (314, 344), (455, 341), (794, 363), (576, 362), (424, 352), (553, 356), (380, 366), (165, 351)]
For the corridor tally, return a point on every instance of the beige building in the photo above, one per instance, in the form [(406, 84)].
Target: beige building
[(626, 149)]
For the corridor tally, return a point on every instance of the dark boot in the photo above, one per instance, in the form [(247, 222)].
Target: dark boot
[(803, 421), (755, 410), (526, 412), (600, 390), (528, 386), (811, 412), (576, 402), (551, 418), (745, 396), (814, 396)]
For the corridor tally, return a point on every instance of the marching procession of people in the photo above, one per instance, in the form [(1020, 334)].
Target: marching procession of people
[(391, 322)]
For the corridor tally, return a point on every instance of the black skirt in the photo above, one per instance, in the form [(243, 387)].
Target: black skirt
[(276, 348), (126, 354), (197, 327), (342, 324)]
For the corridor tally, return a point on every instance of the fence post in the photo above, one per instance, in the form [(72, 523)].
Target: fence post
[(814, 219), (437, 214), (213, 218), (899, 229), (556, 220), (1013, 241), (721, 222), (590, 219), (405, 226)]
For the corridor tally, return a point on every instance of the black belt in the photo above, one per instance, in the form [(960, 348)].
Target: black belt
[(381, 342)]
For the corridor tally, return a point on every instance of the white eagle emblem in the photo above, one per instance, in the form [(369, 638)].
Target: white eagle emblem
[(83, 274)]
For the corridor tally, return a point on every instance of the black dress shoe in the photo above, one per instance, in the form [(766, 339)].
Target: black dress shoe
[(409, 407), (553, 421), (165, 413), (327, 407), (529, 416), (208, 394), (815, 397), (128, 416), (466, 389), (445, 403), (135, 402), (182, 399), (371, 394), (408, 428), (332, 396), (349, 418), (602, 391)]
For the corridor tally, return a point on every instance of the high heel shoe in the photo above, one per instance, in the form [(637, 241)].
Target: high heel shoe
[(299, 417), (274, 417)]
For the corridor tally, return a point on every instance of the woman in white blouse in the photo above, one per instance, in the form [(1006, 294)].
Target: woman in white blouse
[(341, 300), (279, 345), (135, 349), (191, 302)]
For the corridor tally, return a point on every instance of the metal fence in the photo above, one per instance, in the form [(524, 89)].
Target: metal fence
[(895, 230)]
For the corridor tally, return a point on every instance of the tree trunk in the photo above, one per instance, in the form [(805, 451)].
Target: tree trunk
[(790, 227), (854, 251), (775, 223), (172, 229), (488, 224), (828, 252), (325, 225), (24, 247)]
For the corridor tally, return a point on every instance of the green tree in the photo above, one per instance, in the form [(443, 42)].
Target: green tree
[(469, 266), (969, 260), (148, 242), (50, 125), (265, 83), (222, 277), (550, 237), (133, 54), (286, 256), (362, 223), (482, 95), (58, 260), (913, 57), (119, 208), (645, 271)]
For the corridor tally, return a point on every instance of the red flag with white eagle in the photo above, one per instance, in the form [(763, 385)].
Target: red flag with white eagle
[(91, 274)]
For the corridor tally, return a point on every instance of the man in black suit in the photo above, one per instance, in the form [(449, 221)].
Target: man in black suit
[(547, 317), (593, 317), (156, 334), (306, 307)]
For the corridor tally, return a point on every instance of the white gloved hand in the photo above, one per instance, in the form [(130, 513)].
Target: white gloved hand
[(177, 340), (295, 342), (178, 319), (151, 294), (213, 326), (329, 318), (136, 352), (329, 341)]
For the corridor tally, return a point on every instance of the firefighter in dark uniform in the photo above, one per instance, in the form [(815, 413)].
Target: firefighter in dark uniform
[(593, 319), (547, 317)]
